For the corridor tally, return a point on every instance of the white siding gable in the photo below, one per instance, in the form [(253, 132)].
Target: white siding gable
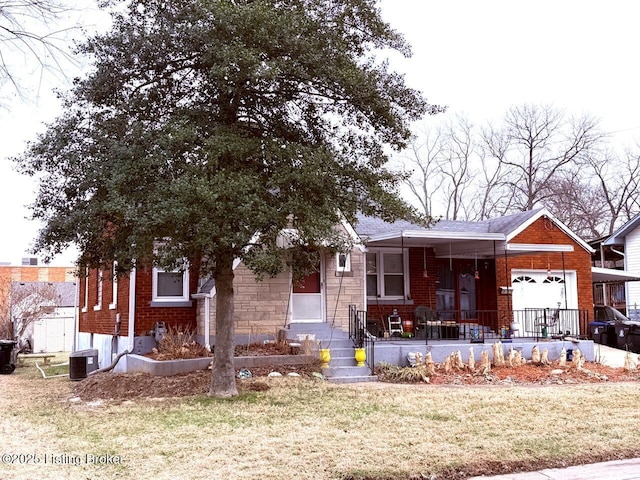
[(632, 264)]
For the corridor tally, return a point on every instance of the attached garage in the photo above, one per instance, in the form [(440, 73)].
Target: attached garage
[(544, 289), (546, 301)]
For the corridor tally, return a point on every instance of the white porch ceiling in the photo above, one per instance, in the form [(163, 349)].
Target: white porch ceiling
[(461, 244), (604, 275)]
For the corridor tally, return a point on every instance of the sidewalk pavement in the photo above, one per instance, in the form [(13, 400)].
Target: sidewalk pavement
[(614, 470)]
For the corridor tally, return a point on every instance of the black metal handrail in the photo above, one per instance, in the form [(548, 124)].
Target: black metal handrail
[(370, 348), (360, 336)]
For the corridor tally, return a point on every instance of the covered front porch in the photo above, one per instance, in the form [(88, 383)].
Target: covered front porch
[(523, 276), (479, 326), (442, 338)]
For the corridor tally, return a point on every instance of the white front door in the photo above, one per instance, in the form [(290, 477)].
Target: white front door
[(307, 298)]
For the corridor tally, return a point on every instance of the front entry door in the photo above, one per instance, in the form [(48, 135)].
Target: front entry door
[(307, 303)]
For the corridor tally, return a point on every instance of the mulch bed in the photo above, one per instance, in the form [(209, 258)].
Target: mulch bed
[(121, 386)]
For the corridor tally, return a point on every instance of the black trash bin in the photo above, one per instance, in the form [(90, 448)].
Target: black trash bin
[(7, 357), (82, 362), (633, 337), (611, 335), (599, 332), (621, 331)]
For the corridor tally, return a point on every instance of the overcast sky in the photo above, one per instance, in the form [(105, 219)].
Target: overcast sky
[(475, 56)]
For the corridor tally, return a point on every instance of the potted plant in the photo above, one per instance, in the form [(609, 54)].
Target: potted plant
[(325, 357), (360, 356)]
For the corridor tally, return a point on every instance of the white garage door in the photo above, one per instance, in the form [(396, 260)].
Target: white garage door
[(543, 289)]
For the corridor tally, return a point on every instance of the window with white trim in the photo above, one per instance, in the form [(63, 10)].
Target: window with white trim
[(387, 274), (98, 305), (114, 286), (170, 285), (343, 262), (86, 290)]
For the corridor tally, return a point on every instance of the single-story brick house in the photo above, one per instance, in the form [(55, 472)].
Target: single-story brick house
[(467, 273)]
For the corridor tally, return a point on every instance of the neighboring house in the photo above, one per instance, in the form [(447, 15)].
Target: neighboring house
[(54, 331), (609, 275), (521, 267), (625, 242), (28, 272)]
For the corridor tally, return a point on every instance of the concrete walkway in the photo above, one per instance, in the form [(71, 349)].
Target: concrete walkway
[(614, 470), (612, 357)]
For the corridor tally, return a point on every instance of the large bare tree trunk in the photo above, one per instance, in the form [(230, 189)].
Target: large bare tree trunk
[(223, 377)]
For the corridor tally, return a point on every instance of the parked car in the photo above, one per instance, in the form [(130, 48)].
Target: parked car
[(605, 313), (611, 327)]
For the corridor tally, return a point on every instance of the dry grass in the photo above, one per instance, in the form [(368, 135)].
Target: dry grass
[(304, 429), (179, 343)]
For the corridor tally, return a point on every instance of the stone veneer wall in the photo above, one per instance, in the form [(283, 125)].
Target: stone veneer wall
[(344, 289), (261, 308)]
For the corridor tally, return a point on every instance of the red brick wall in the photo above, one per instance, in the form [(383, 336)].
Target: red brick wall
[(492, 273), (147, 316), (422, 290), (104, 320), (545, 232)]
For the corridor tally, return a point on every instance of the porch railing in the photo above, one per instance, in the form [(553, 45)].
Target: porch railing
[(613, 294), (481, 325), (360, 336)]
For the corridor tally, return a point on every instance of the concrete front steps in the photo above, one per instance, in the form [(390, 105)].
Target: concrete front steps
[(342, 367)]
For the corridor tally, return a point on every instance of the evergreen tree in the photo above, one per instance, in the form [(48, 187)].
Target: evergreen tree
[(207, 127)]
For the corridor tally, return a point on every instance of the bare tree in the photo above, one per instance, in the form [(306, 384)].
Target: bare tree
[(456, 165), (489, 198), (579, 205), (420, 164), (31, 38), (24, 304), (616, 178), (535, 146), (438, 166), (537, 156)]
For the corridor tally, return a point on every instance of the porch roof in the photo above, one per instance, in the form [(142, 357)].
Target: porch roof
[(455, 238), (606, 275)]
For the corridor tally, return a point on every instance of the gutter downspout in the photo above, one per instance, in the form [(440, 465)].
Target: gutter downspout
[(207, 321), (205, 318), (76, 319), (564, 279), (132, 308), (605, 290), (364, 280), (621, 254)]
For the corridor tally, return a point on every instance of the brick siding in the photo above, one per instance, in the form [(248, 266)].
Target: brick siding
[(104, 320), (543, 231)]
